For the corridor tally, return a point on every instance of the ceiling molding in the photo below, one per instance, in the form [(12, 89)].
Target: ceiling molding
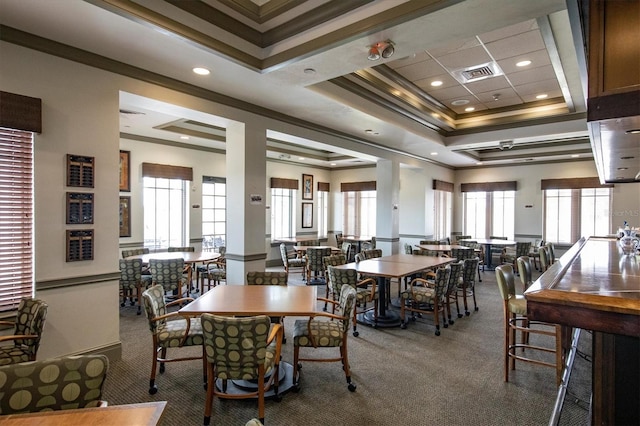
[(261, 13)]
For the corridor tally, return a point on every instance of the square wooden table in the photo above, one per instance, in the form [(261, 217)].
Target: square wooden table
[(392, 266)]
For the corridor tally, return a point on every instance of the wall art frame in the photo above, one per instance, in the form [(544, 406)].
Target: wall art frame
[(307, 187), (125, 175)]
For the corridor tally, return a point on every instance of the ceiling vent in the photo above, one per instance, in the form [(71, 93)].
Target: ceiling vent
[(477, 72)]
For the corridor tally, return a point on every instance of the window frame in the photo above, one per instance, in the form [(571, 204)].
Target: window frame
[(212, 241)]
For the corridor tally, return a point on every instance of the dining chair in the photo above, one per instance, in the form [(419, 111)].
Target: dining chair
[(169, 330), (134, 252), (315, 267), (22, 345), (452, 289), (525, 271), (552, 252), (467, 286), (366, 292), (213, 271), (534, 254), (333, 260), (245, 348), (544, 255), (509, 255), (64, 383), (429, 242), (462, 237), (188, 270), (325, 330), (292, 261), (269, 278), (176, 249), (515, 319), (426, 297), (169, 273), (132, 280), (462, 254)]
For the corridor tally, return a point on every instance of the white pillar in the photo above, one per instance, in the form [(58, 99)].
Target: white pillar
[(387, 208)]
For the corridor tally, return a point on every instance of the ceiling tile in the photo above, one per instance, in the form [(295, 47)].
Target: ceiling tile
[(550, 94), (509, 31), (454, 46), (516, 46), (494, 83), (487, 97), (408, 60), (447, 81), (532, 75), (451, 93), (537, 87), (539, 58), (420, 70), (465, 58)]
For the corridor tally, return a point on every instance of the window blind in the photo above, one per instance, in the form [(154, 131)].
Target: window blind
[(166, 171), (323, 186), (284, 183), (16, 217), (573, 183), (441, 185), (489, 186), (20, 112), (358, 186)]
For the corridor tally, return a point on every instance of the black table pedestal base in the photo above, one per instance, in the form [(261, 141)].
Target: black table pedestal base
[(239, 387)]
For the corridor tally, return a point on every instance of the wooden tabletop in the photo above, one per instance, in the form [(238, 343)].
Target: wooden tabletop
[(255, 300), (188, 256), (441, 247), (397, 265), (143, 414)]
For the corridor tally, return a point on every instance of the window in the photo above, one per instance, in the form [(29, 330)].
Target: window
[(359, 213), (503, 213), (574, 213), (214, 212), (489, 213), (16, 217), (475, 214), (164, 212), (442, 214), (323, 212), (282, 217)]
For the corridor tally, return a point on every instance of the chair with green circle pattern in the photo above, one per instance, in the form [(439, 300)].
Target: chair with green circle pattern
[(27, 332)]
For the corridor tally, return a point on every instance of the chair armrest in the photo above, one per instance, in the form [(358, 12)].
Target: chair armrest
[(11, 323), (180, 301), (18, 337), (324, 299), (420, 282), (277, 332), (365, 283)]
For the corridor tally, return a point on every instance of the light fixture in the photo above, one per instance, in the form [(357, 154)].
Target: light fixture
[(436, 83), (469, 109), (523, 63), (496, 96), (201, 71), (460, 102), (542, 96), (575, 155), (382, 49), (185, 138), (309, 71), (506, 145), (632, 131), (434, 153)]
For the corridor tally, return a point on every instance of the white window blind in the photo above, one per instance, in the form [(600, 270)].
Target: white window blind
[(16, 217)]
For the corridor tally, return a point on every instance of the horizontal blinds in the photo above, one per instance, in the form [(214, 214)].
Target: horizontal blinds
[(20, 112), (358, 186), (284, 183), (166, 171), (16, 217), (212, 179), (489, 186), (323, 186), (573, 183), (441, 185)]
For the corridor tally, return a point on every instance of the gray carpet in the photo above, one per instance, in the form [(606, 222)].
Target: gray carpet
[(404, 377)]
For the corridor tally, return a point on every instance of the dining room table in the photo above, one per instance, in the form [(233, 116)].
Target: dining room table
[(357, 239), (488, 243), (442, 248), (140, 414), (303, 249), (386, 267), (250, 300)]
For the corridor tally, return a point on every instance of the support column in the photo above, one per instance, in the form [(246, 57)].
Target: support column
[(387, 216), (246, 193)]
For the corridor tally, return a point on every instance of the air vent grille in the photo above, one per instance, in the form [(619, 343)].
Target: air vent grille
[(477, 73)]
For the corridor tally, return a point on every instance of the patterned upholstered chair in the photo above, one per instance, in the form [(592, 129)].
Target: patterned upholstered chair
[(452, 289), (525, 271), (467, 286), (365, 292), (429, 242), (408, 249), (534, 254), (333, 260), (134, 252), (176, 249), (315, 267), (169, 273), (552, 253), (54, 384), (515, 319), (292, 261), (245, 348), (509, 255), (269, 278), (332, 333), (132, 281), (462, 254), (347, 249), (253, 422), (212, 271), (169, 330), (462, 237), (426, 297), (27, 331)]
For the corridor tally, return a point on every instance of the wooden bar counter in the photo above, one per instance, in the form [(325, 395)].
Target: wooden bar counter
[(593, 286)]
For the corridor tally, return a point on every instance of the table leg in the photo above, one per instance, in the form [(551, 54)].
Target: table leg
[(386, 318), (487, 256)]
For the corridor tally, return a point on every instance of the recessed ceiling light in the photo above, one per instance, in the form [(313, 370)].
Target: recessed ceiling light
[(201, 71), (184, 137), (542, 96), (300, 158), (436, 83), (523, 63), (479, 163), (435, 115), (575, 155), (459, 102), (434, 153), (333, 164), (623, 168), (309, 71), (469, 109), (633, 131)]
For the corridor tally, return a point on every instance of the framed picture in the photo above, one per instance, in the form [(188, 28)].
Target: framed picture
[(125, 216), (307, 215), (307, 187), (124, 171)]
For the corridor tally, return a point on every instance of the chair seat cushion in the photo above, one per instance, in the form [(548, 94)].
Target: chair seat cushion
[(171, 333), (248, 372), (13, 355), (364, 295), (297, 262), (216, 273), (419, 294), (326, 334), (518, 305)]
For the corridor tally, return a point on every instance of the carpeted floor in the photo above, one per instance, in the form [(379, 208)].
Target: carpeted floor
[(404, 377)]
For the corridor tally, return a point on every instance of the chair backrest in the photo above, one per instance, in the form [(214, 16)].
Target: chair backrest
[(235, 345), (309, 243), (134, 252), (167, 272), (267, 278), (462, 254), (174, 249), (130, 272), (30, 319), (347, 305), (223, 251), (446, 241), (421, 252), (442, 281), (283, 254), (455, 275), (315, 256), (430, 242), (52, 384), (470, 270), (506, 281), (154, 306), (333, 260), (522, 248), (408, 249), (525, 271), (346, 248), (339, 277), (544, 258), (372, 253), (360, 257), (463, 237), (493, 237), (552, 253)]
